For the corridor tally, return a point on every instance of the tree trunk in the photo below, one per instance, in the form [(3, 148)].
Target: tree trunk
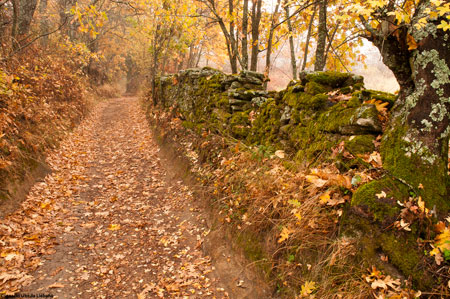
[(64, 16), (26, 13), (270, 42), (44, 26), (233, 40), (308, 38), (321, 37), (244, 42), (414, 148), (330, 41), (15, 4), (256, 19), (291, 42)]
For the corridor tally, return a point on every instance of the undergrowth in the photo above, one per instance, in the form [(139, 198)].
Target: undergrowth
[(42, 97), (277, 214), (300, 226)]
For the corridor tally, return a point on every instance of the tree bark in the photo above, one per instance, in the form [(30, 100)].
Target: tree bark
[(244, 41), (414, 148), (233, 40), (256, 19), (291, 42), (319, 64), (44, 26), (64, 15), (270, 42), (330, 41), (308, 38), (26, 13)]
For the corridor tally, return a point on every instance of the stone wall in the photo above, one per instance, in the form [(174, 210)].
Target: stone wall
[(307, 119)]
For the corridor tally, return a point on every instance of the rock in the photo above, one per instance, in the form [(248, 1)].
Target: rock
[(298, 88), (363, 122), (251, 77), (235, 85), (237, 102), (258, 101), (236, 108), (246, 95), (285, 116)]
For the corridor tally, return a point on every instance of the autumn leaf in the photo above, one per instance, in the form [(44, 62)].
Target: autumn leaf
[(285, 233), (114, 227), (411, 42), (380, 195), (379, 105), (315, 180), (307, 288), (325, 197)]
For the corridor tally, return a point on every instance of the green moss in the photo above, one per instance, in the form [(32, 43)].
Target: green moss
[(253, 251), (403, 254), (358, 86), (239, 124), (408, 161), (335, 118), (314, 88), (360, 144), (332, 79), (301, 100), (345, 90), (266, 126), (354, 102), (380, 209)]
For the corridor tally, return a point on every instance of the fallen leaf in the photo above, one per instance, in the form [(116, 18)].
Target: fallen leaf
[(114, 227), (307, 288), (284, 235), (380, 195), (56, 286)]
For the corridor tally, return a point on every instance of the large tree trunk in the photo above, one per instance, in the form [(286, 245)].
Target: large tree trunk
[(256, 19), (321, 37), (291, 42), (415, 145)]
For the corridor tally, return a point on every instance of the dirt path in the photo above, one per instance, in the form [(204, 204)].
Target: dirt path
[(109, 222)]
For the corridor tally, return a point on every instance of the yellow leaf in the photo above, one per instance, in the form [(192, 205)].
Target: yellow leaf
[(318, 182), (324, 198), (114, 227), (379, 105), (444, 25), (308, 288), (284, 234)]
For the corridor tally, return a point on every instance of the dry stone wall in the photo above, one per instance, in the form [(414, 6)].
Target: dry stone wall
[(307, 119)]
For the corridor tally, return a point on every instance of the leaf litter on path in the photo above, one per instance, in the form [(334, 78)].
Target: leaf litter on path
[(107, 223)]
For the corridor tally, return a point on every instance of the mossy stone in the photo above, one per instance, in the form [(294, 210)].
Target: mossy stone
[(368, 94), (239, 124), (383, 209), (360, 144), (332, 79), (314, 88)]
